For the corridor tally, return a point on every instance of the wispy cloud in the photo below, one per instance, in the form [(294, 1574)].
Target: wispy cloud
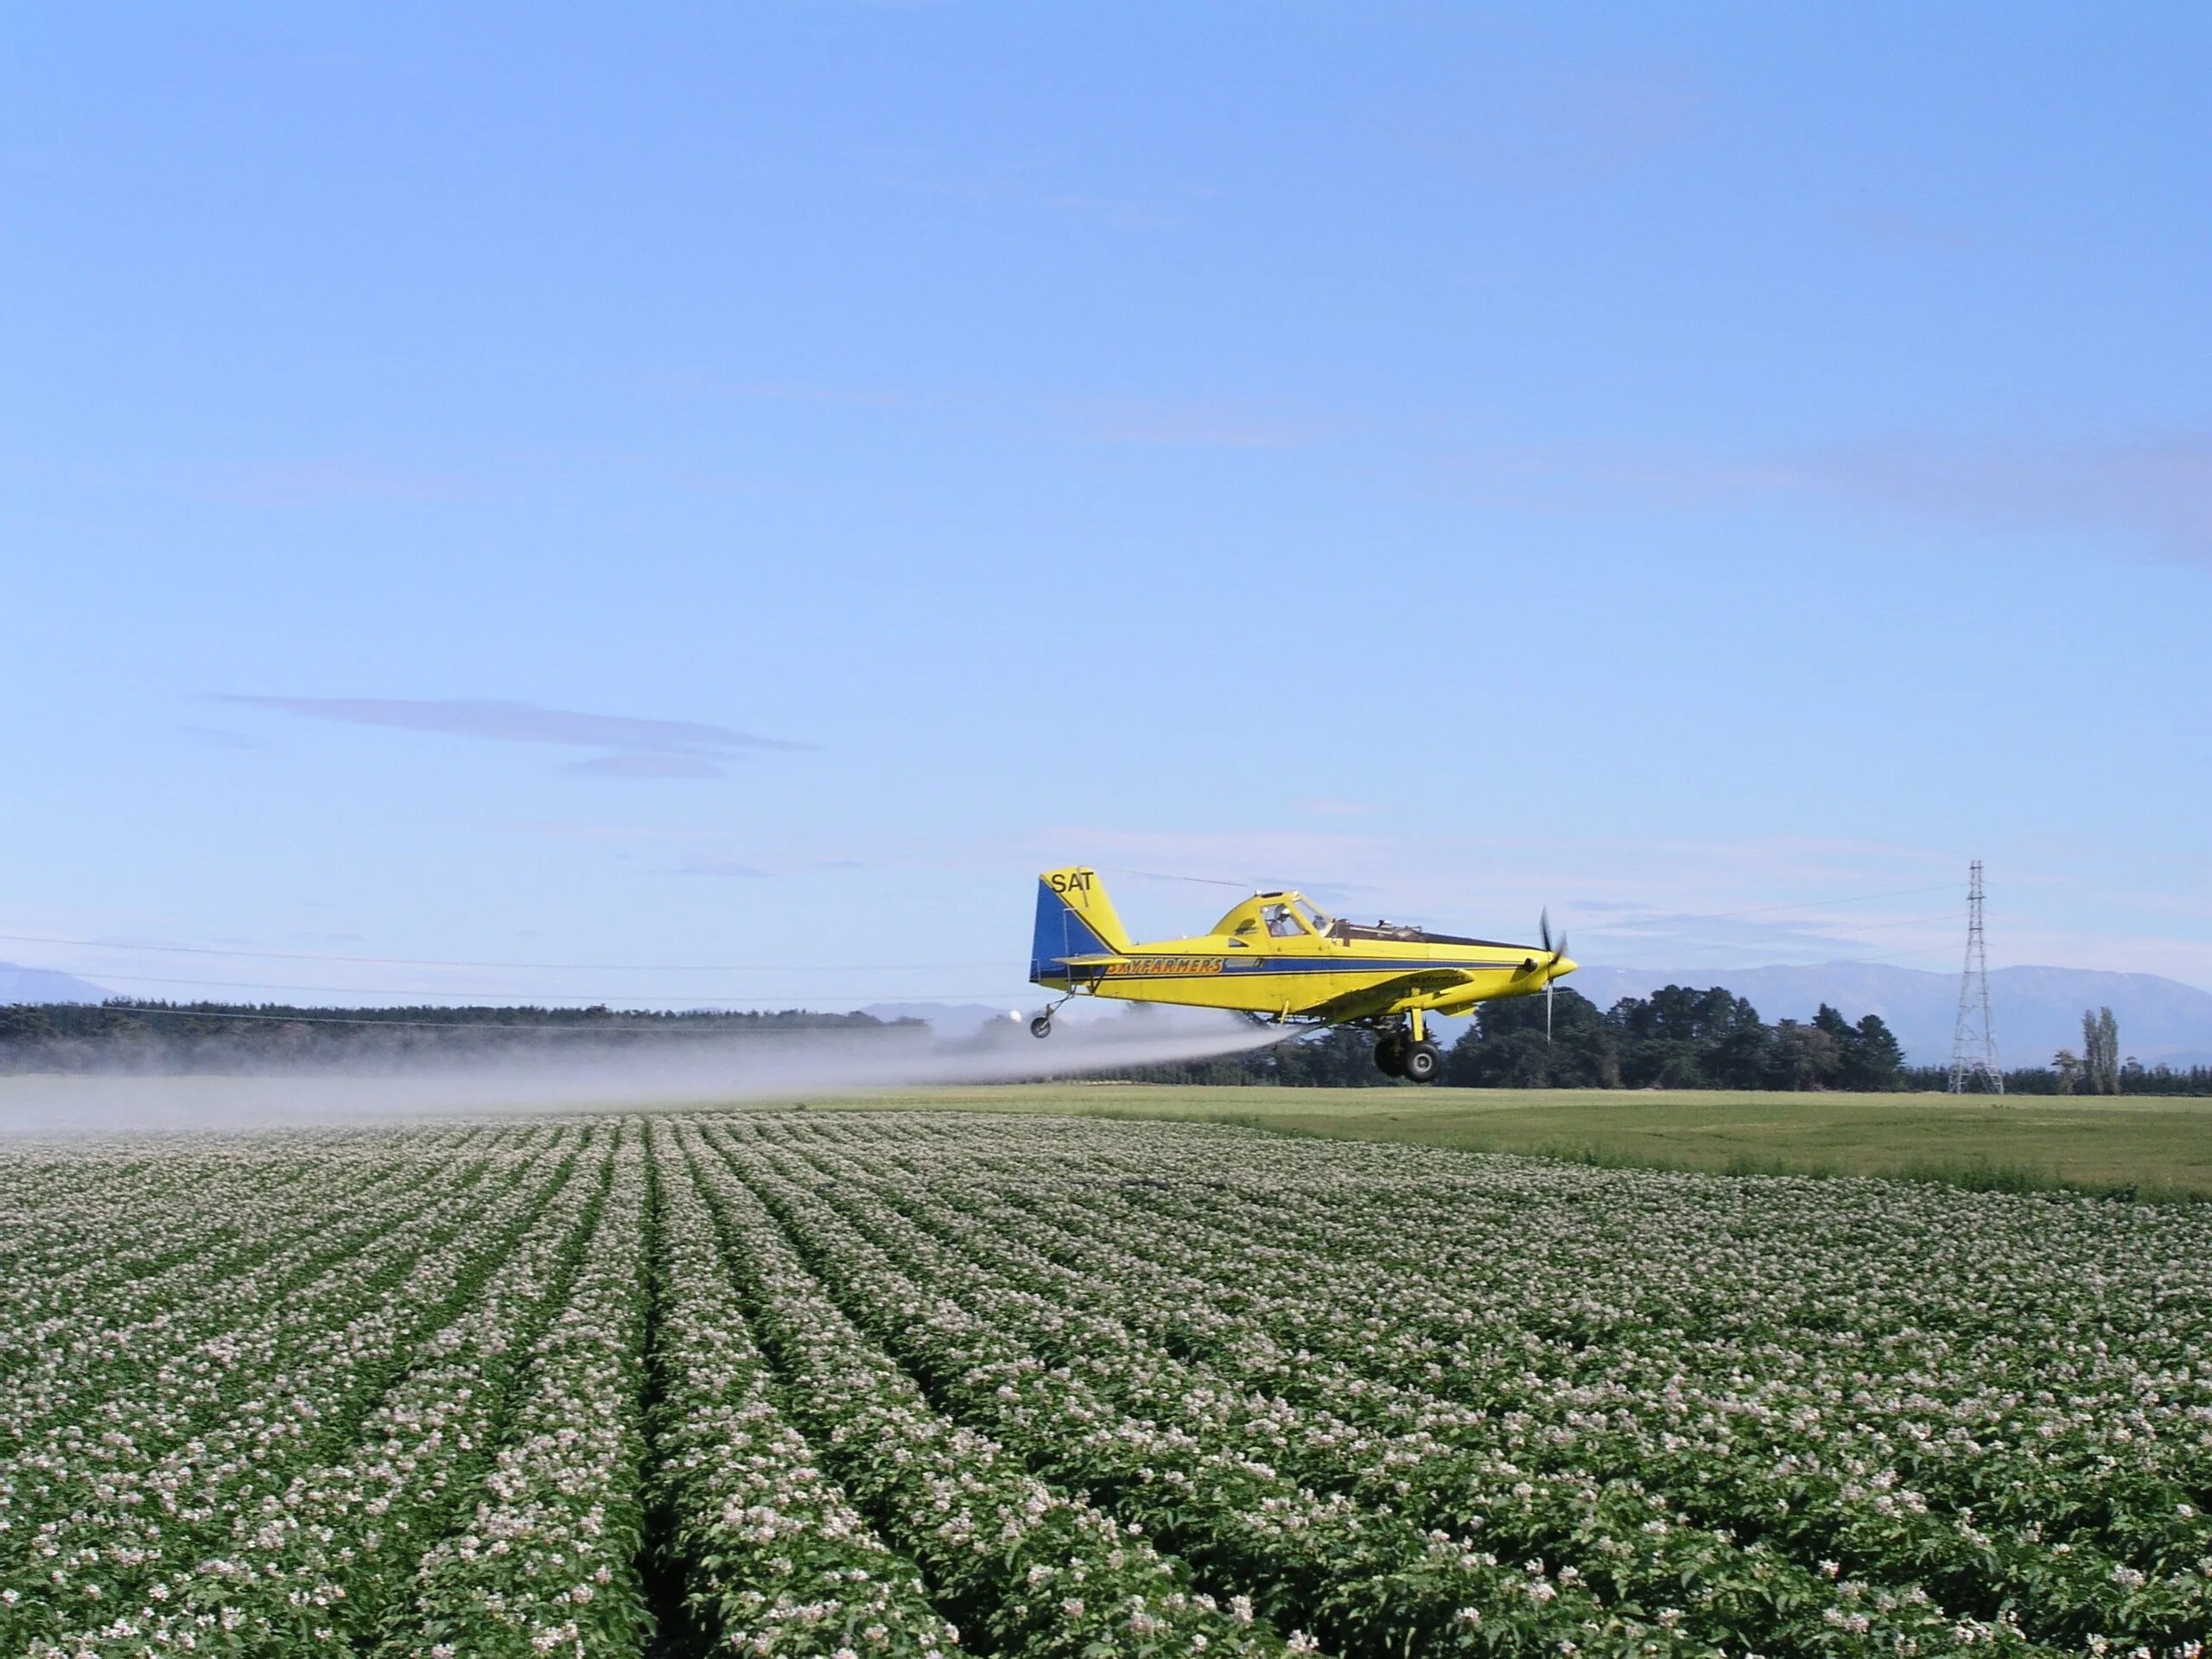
[(218, 737), (791, 391), (1674, 904), (1904, 229), (1185, 421), (1578, 128), (2160, 489), (712, 864), (618, 833), (1623, 901), (311, 483), (634, 748), (1164, 419), (648, 766), (1339, 894), (1686, 939), (2156, 491), (1026, 191), (1117, 212)]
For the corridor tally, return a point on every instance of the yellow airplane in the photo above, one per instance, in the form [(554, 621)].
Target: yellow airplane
[(1278, 957)]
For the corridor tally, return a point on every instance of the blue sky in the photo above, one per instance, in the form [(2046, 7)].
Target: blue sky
[(741, 489)]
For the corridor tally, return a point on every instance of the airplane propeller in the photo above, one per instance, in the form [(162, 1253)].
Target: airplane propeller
[(1544, 933)]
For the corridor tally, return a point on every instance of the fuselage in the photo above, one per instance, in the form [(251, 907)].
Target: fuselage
[(1276, 955)]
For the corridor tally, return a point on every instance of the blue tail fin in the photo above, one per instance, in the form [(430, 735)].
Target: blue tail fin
[(1074, 918)]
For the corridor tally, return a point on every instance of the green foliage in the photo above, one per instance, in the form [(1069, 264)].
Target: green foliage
[(2068, 1074), (131, 1035), (1506, 1047), (2099, 1071), (1677, 1038)]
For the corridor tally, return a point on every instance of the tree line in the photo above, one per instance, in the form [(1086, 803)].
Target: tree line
[(132, 1035), (1677, 1038), (2097, 1069)]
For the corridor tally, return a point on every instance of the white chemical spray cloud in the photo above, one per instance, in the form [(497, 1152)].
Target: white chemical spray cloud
[(584, 1074)]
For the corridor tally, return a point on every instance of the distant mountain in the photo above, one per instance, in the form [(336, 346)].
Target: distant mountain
[(2038, 1011), (44, 985)]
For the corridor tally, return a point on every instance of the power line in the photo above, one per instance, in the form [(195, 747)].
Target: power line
[(1199, 881), (1623, 934), (1816, 904), (1838, 962), (502, 996), (754, 967), (1854, 961)]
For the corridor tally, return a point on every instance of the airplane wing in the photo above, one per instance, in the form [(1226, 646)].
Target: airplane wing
[(1371, 999)]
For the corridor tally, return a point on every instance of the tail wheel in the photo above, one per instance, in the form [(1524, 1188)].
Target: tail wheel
[(1422, 1063), (1390, 1056), (1041, 1026)]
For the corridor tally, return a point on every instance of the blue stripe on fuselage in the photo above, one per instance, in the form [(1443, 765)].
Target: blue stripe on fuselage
[(1264, 967)]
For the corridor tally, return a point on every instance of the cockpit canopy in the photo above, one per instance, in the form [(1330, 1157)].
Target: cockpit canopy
[(1287, 918), (1293, 915), (1275, 916)]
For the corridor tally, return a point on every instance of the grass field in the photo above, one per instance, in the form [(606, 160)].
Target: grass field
[(2163, 1147), (2160, 1147)]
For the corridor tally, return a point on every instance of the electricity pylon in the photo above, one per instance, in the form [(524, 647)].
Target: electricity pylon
[(1973, 1046)]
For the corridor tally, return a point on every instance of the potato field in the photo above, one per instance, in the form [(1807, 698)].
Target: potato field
[(794, 1382)]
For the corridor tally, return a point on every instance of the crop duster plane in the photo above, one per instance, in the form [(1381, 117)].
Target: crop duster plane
[(1276, 956)]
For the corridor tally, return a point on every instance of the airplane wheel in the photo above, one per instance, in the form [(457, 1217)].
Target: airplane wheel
[(1422, 1063), (1041, 1026), (1390, 1056)]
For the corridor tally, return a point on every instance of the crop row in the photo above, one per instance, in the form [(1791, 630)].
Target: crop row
[(1366, 1555), (1034, 1569), (803, 1384), (777, 1558), (1095, 1246), (210, 1476), (1450, 1460)]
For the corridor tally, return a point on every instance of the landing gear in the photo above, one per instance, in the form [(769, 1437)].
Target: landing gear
[(1041, 1026), (1408, 1052)]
